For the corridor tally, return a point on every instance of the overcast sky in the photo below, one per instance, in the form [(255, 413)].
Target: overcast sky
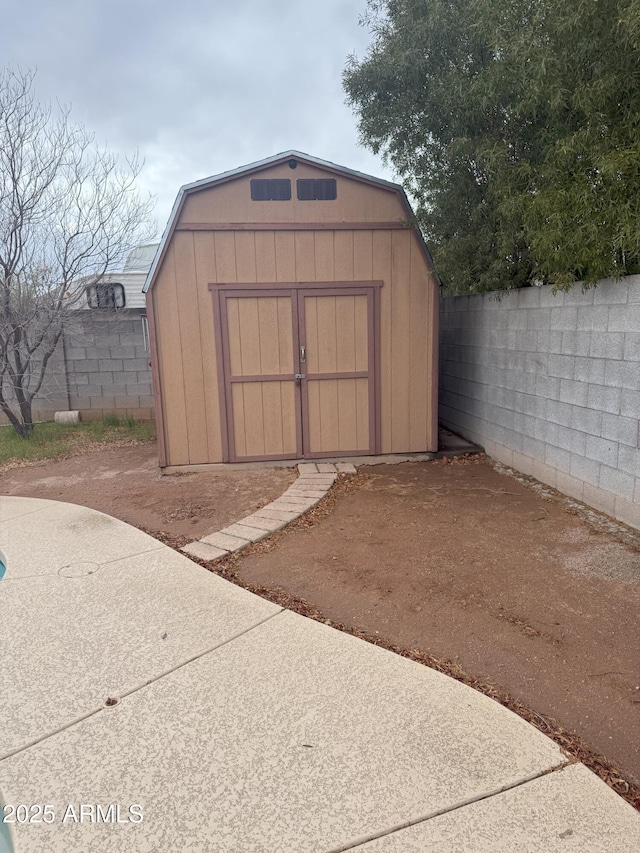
[(197, 86)]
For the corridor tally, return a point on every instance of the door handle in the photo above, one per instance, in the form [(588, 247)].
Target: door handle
[(303, 353), (299, 377)]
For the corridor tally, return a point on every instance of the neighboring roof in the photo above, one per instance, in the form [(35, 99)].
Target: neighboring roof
[(141, 258), (261, 164)]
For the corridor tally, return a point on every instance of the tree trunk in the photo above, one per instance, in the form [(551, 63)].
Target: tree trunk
[(26, 417), (24, 427)]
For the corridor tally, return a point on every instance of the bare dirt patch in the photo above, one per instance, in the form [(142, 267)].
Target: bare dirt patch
[(126, 483), (464, 563)]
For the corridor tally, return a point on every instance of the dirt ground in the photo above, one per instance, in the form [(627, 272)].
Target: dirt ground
[(125, 482), (456, 560)]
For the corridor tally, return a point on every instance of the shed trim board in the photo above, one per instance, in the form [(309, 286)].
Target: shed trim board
[(397, 225), (156, 384), (307, 444), (260, 287)]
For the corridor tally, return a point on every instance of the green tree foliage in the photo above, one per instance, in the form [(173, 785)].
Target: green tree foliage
[(515, 126)]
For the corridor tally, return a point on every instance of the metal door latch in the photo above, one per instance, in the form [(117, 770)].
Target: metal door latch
[(299, 377)]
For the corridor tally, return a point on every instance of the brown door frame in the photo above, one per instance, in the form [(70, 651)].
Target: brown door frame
[(296, 292)]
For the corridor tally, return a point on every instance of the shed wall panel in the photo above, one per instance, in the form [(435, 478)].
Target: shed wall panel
[(434, 331), (419, 374), (343, 255), (169, 345), (285, 256), (192, 356), (305, 256), (265, 246), (363, 255), (324, 247), (245, 246), (382, 267), (224, 246), (206, 271), (401, 355)]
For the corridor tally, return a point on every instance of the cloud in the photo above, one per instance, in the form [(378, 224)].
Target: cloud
[(197, 87)]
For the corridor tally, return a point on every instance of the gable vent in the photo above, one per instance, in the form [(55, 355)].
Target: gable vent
[(274, 189), (316, 189)]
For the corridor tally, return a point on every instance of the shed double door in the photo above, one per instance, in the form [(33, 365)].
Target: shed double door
[(299, 372)]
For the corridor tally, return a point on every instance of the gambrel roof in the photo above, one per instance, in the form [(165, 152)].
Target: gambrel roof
[(206, 183)]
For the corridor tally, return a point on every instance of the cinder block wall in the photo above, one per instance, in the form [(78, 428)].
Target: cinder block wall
[(107, 368), (551, 386), (108, 365), (53, 395)]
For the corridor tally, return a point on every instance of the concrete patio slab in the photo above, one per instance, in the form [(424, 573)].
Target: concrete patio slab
[(59, 535), (14, 507), (292, 737), (68, 643), (570, 810)]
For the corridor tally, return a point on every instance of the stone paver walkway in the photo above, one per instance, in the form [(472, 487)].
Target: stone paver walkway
[(313, 483)]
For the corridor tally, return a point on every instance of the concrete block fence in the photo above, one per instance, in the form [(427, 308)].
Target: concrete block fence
[(551, 386), (108, 365), (101, 367)]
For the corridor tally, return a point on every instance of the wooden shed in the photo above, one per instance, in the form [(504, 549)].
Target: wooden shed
[(293, 310)]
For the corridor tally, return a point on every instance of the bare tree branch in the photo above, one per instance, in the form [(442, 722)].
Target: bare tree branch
[(69, 213)]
